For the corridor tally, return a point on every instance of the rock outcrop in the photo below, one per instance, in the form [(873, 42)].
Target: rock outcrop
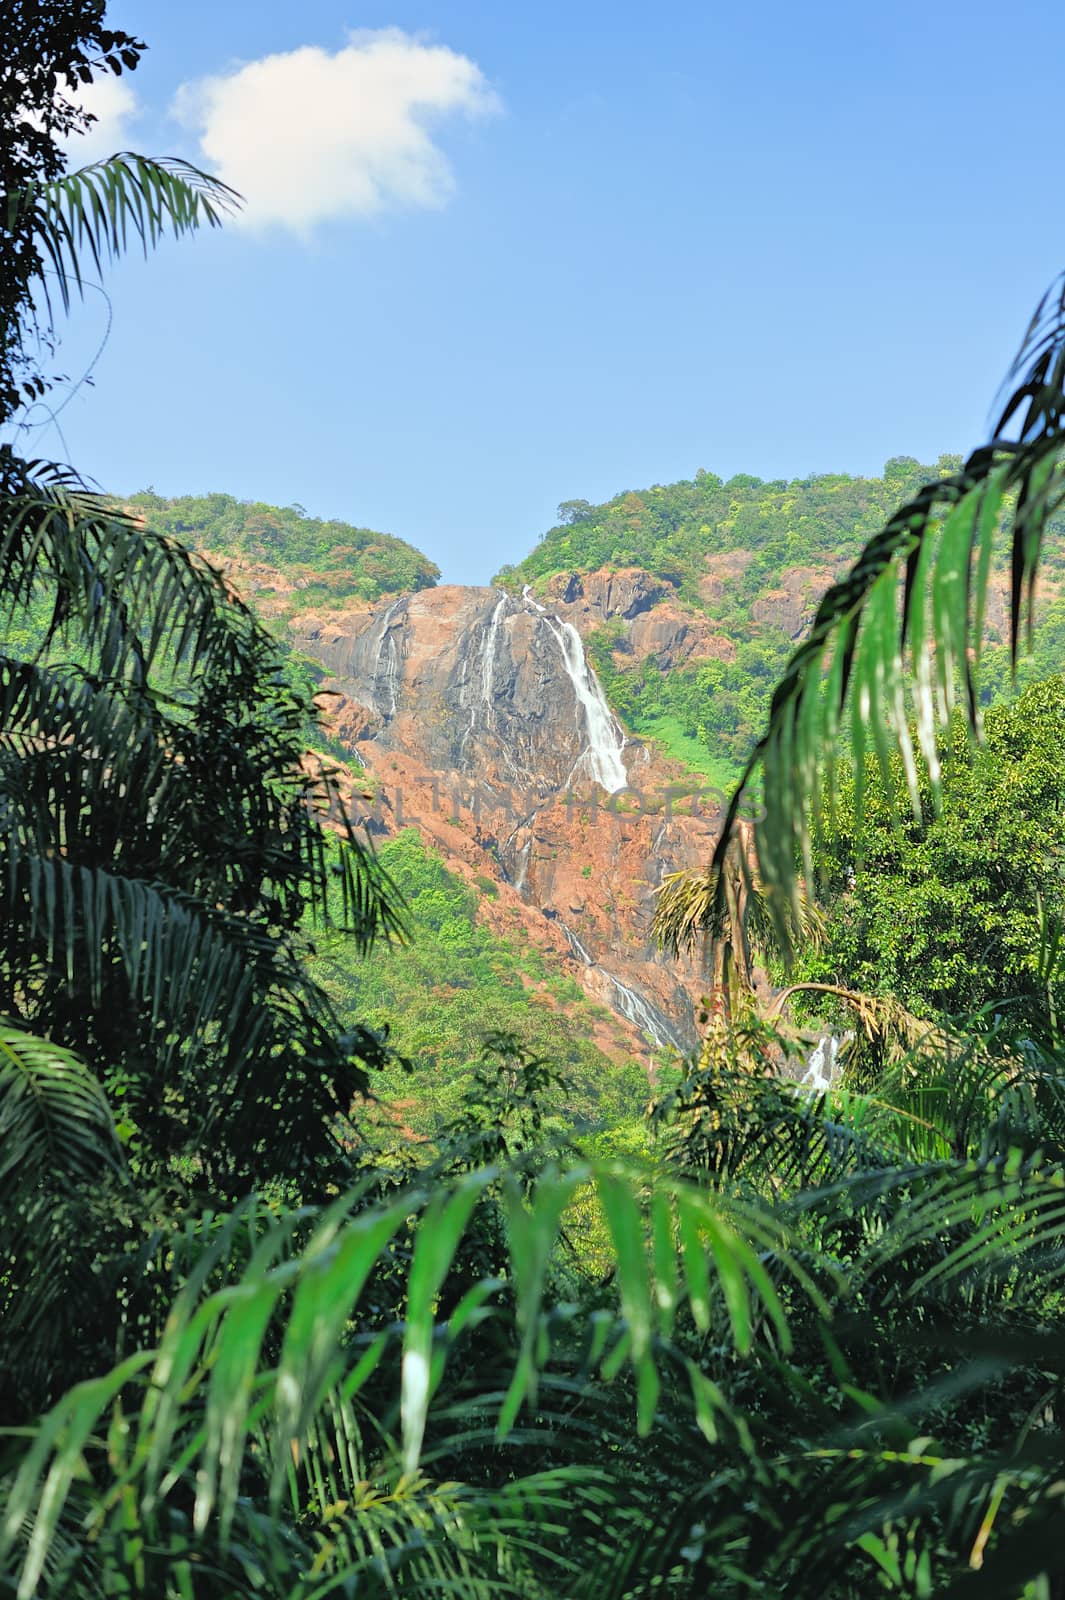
[(792, 603), (611, 592), (672, 634), (648, 617), (480, 721)]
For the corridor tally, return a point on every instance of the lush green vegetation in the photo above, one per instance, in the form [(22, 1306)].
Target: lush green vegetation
[(456, 984), (805, 1345), (329, 560), (670, 529), (724, 550), (951, 912)]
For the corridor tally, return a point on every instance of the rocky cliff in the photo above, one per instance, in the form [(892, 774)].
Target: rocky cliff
[(479, 719), (477, 715)]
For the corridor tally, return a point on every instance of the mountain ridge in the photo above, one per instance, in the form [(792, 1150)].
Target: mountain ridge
[(549, 735)]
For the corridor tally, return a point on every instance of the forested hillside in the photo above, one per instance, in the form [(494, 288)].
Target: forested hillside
[(322, 560), (747, 562), (671, 529), (455, 985), (744, 561)]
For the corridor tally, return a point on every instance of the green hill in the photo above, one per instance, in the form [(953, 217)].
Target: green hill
[(670, 529), (748, 561), (327, 558)]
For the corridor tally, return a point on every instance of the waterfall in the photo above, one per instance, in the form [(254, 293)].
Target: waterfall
[(488, 654), (629, 1003), (644, 1015), (576, 946), (523, 865), (391, 660), (489, 640), (602, 758), (820, 1065)]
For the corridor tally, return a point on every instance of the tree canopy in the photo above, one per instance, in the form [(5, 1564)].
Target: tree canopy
[(328, 559), (949, 912)]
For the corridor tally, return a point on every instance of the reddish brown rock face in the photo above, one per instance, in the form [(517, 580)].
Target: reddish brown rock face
[(792, 604), (483, 725), (723, 568), (652, 622), (672, 634), (589, 598)]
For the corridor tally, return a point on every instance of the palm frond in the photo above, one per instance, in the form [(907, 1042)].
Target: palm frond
[(59, 1153), (92, 215), (992, 1220), (207, 1396), (427, 1538), (98, 771), (895, 645), (228, 1011), (55, 1121), (729, 909), (732, 1126), (130, 592)]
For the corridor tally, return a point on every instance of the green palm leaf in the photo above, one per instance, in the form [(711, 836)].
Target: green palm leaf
[(55, 1121), (896, 643), (94, 214), (130, 593), (212, 1401), (59, 1153)]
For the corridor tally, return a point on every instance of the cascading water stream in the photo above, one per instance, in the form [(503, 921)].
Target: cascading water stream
[(386, 649), (576, 946), (820, 1071), (523, 865), (489, 653), (636, 1008), (602, 758), (630, 1004), (489, 641)]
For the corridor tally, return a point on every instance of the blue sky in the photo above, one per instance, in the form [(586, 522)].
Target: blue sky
[(641, 240)]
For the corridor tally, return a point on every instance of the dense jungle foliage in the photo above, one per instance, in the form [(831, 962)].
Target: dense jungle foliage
[(806, 1345), (950, 913)]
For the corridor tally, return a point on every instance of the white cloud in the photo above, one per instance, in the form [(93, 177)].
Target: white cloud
[(114, 105), (307, 136)]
